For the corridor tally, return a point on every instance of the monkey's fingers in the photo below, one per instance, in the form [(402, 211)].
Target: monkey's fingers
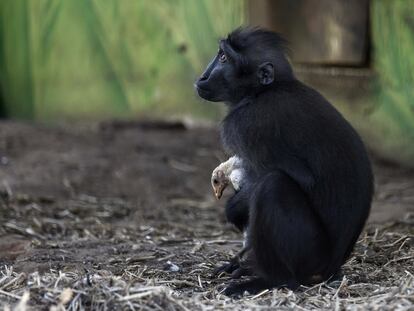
[(226, 268), (241, 271), (252, 286)]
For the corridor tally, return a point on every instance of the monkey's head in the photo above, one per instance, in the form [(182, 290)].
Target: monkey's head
[(248, 61)]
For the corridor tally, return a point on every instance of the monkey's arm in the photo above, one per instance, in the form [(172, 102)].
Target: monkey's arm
[(232, 171)]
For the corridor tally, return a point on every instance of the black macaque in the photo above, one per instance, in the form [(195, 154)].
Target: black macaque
[(309, 183)]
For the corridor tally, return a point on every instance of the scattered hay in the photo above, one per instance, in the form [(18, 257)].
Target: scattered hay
[(148, 233), (379, 275)]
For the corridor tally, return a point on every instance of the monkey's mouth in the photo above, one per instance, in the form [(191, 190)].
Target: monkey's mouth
[(207, 94), (202, 92)]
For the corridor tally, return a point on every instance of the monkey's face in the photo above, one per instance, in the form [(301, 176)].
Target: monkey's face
[(228, 78), (215, 82)]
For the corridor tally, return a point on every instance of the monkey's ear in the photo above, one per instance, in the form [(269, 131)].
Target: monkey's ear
[(266, 73)]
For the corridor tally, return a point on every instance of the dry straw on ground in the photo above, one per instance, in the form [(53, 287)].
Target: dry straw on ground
[(379, 276), (121, 217)]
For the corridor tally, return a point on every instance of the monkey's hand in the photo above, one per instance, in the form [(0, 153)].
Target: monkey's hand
[(229, 172), (237, 266)]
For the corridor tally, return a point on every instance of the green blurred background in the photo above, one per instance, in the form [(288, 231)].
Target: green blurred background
[(100, 59), (70, 59)]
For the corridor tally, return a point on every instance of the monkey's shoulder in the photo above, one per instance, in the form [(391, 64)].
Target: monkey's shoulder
[(295, 105)]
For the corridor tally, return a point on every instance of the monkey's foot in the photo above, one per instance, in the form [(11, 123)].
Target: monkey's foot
[(252, 286)]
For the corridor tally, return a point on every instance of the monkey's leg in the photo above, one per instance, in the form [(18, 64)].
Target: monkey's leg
[(288, 242)]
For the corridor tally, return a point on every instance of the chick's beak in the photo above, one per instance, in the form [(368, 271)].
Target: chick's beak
[(218, 190), (219, 182)]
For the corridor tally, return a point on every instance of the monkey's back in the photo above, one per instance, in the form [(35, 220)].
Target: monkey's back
[(294, 129), (337, 158)]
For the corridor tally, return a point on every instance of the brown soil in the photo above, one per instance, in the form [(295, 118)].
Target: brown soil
[(131, 202)]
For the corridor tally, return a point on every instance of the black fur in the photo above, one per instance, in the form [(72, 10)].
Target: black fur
[(309, 183), (237, 209)]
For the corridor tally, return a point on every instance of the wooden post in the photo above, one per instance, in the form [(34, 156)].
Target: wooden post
[(320, 31)]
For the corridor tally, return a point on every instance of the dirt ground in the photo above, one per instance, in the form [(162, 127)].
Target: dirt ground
[(120, 215)]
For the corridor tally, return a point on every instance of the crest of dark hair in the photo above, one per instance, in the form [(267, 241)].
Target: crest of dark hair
[(255, 45), (247, 37)]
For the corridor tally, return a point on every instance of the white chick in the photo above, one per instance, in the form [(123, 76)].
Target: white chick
[(229, 172)]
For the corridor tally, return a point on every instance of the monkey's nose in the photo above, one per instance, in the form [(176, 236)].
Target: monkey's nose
[(203, 78)]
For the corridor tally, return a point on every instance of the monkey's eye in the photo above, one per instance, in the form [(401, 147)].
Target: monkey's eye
[(222, 58), (215, 181)]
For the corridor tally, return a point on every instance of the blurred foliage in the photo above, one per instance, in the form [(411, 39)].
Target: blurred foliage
[(393, 59), (63, 59), (384, 116)]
